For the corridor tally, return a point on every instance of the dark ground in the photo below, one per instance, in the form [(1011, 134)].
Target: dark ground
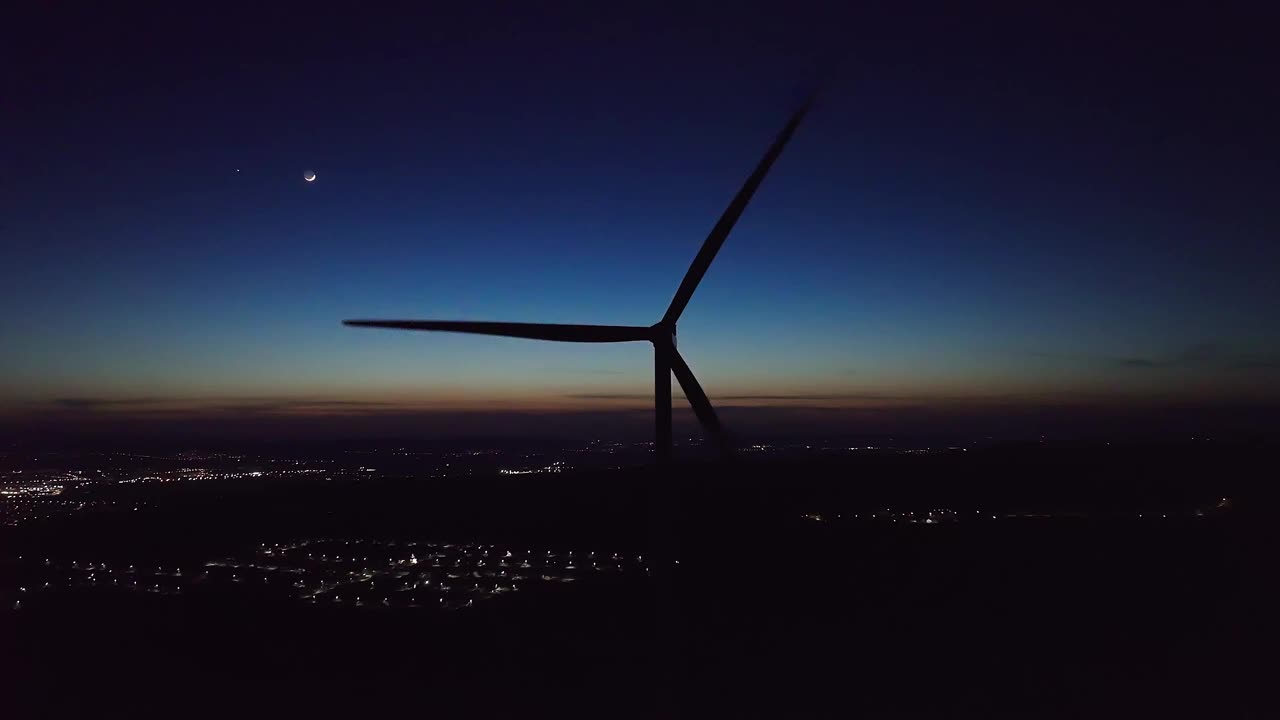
[(1107, 615)]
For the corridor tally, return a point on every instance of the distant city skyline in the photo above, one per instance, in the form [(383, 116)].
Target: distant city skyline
[(966, 226)]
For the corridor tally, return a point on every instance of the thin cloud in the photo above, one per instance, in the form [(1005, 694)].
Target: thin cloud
[(1140, 363), (1198, 355), (1259, 362), (1206, 355), (156, 405), (273, 405), (591, 371), (798, 397), (831, 410), (95, 403), (817, 397)]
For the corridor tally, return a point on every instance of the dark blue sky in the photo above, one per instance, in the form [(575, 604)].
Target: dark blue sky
[(1020, 208)]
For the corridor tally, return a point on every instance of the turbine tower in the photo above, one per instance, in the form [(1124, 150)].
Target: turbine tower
[(662, 334)]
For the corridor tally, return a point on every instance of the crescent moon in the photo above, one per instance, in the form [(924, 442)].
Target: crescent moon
[(309, 176)]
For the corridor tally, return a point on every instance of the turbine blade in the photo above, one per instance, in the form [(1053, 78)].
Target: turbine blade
[(533, 331), (698, 399), (712, 244)]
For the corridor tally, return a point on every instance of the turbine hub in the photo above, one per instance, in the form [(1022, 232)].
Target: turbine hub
[(662, 332)]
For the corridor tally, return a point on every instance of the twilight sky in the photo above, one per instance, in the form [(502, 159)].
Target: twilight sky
[(1008, 210)]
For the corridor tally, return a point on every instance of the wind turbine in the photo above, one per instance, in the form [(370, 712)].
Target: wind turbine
[(662, 334)]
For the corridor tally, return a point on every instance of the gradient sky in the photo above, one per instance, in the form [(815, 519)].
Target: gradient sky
[(1038, 209)]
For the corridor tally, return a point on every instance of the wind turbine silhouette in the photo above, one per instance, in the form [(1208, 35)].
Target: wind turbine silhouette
[(662, 334)]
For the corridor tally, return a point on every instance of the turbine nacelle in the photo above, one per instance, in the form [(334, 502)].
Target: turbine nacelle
[(663, 332)]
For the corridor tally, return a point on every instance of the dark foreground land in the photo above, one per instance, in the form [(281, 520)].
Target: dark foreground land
[(1039, 592)]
